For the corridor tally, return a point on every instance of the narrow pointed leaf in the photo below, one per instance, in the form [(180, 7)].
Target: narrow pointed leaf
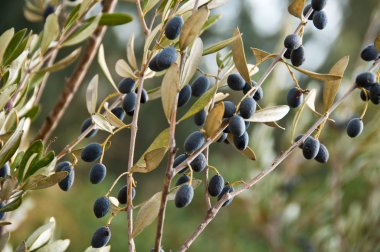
[(50, 33), (192, 62), (92, 94), (112, 19), (169, 90), (214, 119), (239, 56), (296, 8), (104, 67), (193, 26), (270, 114)]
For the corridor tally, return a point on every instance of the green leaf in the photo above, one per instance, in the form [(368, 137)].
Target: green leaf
[(239, 56), (92, 94), (112, 19), (11, 146), (219, 46), (47, 161), (149, 5), (63, 63), (330, 88), (15, 47), (12, 205), (50, 33), (160, 142), (5, 39), (84, 33), (192, 62), (193, 26), (270, 114), (296, 8), (37, 182), (56, 246), (36, 147), (316, 76), (73, 16), (169, 90), (147, 214), (102, 123), (5, 93), (200, 104), (214, 120), (210, 22), (103, 66)]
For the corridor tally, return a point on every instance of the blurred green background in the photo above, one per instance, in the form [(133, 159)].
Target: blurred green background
[(302, 206)]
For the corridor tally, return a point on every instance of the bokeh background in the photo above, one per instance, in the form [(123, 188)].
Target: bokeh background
[(302, 206)]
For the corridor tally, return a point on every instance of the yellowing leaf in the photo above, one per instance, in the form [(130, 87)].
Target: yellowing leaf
[(147, 214), (169, 90), (248, 152), (84, 33), (201, 103), (296, 8), (214, 119), (239, 56), (192, 62), (270, 114), (193, 26), (262, 56), (154, 158), (330, 88), (316, 76)]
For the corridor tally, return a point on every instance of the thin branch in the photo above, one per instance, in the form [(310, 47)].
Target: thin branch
[(76, 78), (142, 19)]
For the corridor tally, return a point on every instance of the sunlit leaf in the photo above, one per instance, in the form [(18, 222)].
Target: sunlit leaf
[(192, 62), (214, 119), (296, 8), (239, 56), (316, 76), (330, 88), (131, 52), (149, 5), (262, 56), (56, 246), (92, 94), (104, 67), (102, 123), (14, 204), (169, 90), (40, 236), (84, 33), (5, 94), (270, 114), (192, 27), (124, 70)]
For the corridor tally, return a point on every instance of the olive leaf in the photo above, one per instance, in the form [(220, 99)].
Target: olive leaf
[(154, 93), (5, 39), (316, 76), (11, 146), (103, 65), (192, 62), (270, 114), (149, 39), (201, 103), (296, 8), (50, 32), (63, 62), (169, 90), (262, 56), (310, 99), (84, 33), (377, 43), (16, 46), (194, 184), (102, 123), (8, 185), (124, 70), (14, 204), (48, 161), (239, 56), (147, 214), (214, 120), (112, 19), (149, 5), (41, 235), (210, 22), (112, 119), (189, 5), (330, 88), (92, 94), (131, 52), (102, 249), (56, 246), (247, 152), (37, 182), (34, 152), (85, 4), (219, 46), (5, 93), (193, 26), (154, 154)]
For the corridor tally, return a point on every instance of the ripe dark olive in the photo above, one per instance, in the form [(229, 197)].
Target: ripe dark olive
[(199, 163), (184, 196), (184, 95), (247, 107), (306, 10), (85, 125), (287, 53), (126, 85), (295, 97), (182, 180), (323, 154), (318, 4), (129, 102), (215, 186), (101, 237), (222, 137), (119, 113), (310, 148), (237, 125), (226, 189), (374, 94), (235, 82), (297, 57), (5, 170), (229, 109), (297, 139), (164, 59), (144, 96), (320, 19), (241, 142), (366, 80), (200, 118), (91, 152), (173, 27), (292, 42), (122, 194), (355, 127), (98, 173), (369, 53), (101, 207), (194, 141), (200, 86)]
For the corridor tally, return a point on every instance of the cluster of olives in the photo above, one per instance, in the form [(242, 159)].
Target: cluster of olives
[(293, 42), (313, 149), (370, 89)]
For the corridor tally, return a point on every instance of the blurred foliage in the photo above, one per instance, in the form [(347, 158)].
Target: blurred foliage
[(303, 206)]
